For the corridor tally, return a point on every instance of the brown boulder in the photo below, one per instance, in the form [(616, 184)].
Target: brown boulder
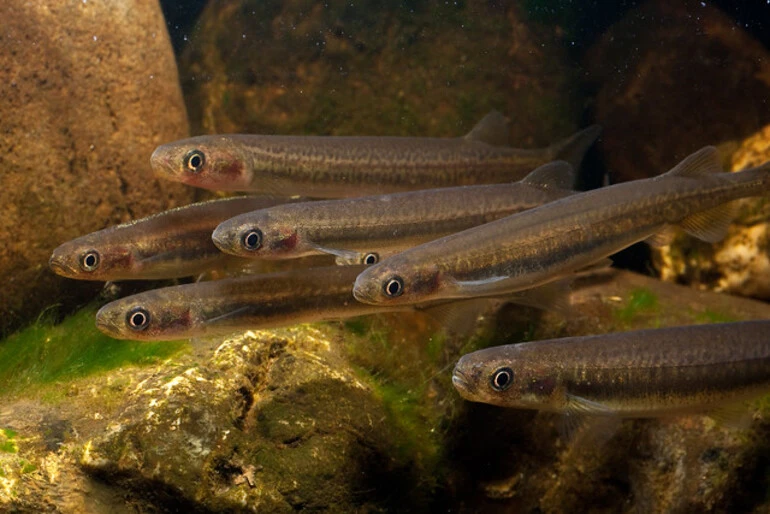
[(673, 77), (429, 68), (89, 89)]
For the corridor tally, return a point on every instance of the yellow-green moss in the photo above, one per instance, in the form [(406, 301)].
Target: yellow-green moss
[(45, 353), (7, 443)]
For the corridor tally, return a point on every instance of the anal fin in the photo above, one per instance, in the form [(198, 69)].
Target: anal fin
[(711, 225)]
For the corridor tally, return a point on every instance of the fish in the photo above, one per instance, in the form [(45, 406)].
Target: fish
[(172, 244), (568, 235), (363, 230), (230, 305), (277, 299), (340, 167), (699, 369)]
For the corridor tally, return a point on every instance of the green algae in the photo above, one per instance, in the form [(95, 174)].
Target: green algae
[(711, 316), (640, 301), (45, 353), (7, 443)]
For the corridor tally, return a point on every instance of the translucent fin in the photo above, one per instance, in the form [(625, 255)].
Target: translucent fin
[(732, 415), (459, 318), (574, 148), (586, 422), (492, 130), (712, 225), (483, 287), (703, 162), (556, 174), (343, 257), (553, 296), (580, 405), (663, 238)]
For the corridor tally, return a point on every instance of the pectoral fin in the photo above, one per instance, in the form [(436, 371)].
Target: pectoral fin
[(459, 317), (586, 422), (343, 257)]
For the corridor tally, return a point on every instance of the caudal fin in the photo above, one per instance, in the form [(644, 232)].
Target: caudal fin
[(574, 148)]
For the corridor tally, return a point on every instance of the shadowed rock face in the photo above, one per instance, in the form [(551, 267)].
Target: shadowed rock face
[(671, 78), (424, 68), (89, 90)]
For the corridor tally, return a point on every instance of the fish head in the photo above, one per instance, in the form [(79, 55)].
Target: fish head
[(209, 162), (395, 281), (150, 316), (502, 376), (88, 258), (257, 235)]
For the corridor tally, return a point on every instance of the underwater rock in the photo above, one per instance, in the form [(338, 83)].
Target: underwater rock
[(89, 89), (273, 421), (740, 263), (362, 417), (427, 68), (671, 78)]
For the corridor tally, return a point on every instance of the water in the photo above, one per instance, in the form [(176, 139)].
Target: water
[(360, 415)]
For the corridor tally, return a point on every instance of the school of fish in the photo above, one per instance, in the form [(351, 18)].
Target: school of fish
[(440, 225)]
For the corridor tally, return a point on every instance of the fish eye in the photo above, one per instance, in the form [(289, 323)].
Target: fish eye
[(138, 319), (89, 261), (394, 287), (370, 258), (501, 379), (252, 239), (194, 161)]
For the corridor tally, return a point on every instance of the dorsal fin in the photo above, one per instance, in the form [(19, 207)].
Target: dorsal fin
[(703, 162), (492, 130), (711, 225), (556, 174)]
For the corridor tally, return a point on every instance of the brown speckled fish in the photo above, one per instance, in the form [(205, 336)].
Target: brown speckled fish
[(554, 240), (172, 244), (365, 229), (337, 167), (645, 373), (226, 306)]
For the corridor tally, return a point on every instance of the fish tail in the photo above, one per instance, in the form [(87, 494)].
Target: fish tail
[(574, 148)]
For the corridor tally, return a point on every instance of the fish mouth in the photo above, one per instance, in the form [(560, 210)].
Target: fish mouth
[(160, 162), (220, 241), (58, 267), (461, 383)]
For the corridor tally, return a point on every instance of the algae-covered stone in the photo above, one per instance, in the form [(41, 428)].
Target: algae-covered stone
[(740, 263), (81, 84), (362, 417), (418, 68), (273, 421)]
